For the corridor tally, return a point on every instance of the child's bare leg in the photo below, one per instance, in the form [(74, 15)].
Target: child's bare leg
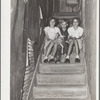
[(54, 50), (69, 51), (76, 46), (49, 49), (53, 53), (70, 47), (66, 45), (48, 52), (77, 50)]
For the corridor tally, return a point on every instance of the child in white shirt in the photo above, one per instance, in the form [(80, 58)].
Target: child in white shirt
[(75, 34), (51, 33)]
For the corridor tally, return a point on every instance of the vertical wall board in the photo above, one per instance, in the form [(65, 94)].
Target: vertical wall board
[(90, 42), (17, 56)]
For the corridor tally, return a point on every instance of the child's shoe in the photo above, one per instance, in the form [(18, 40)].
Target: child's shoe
[(45, 59), (52, 59), (67, 60), (77, 59)]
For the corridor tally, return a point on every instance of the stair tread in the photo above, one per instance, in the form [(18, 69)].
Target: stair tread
[(59, 92), (62, 68), (62, 64), (60, 86), (63, 79), (60, 99)]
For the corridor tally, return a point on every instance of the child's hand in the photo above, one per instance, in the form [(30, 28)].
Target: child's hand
[(48, 39), (70, 37), (79, 37), (74, 38), (62, 36), (67, 41)]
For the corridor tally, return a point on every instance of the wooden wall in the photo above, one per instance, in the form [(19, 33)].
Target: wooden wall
[(24, 23), (17, 56), (90, 44)]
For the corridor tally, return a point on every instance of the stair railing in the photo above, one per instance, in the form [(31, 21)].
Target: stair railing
[(28, 86), (29, 68), (33, 82)]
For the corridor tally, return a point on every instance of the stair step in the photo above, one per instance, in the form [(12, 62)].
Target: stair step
[(85, 98), (62, 68), (68, 93), (49, 79)]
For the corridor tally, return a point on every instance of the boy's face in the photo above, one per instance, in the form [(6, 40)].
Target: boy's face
[(75, 22), (63, 24)]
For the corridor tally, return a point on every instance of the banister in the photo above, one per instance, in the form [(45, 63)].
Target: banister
[(30, 69), (33, 82)]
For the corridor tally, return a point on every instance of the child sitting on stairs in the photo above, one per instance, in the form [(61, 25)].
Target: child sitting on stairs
[(75, 34), (63, 25), (52, 33)]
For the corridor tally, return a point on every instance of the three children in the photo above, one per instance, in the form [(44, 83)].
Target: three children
[(69, 36)]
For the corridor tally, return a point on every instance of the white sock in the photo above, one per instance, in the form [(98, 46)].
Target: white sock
[(67, 57), (45, 57), (51, 57), (77, 56)]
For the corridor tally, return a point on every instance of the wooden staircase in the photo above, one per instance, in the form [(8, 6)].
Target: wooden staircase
[(61, 82)]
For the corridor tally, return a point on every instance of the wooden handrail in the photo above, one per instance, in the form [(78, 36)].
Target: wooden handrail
[(34, 76), (30, 69)]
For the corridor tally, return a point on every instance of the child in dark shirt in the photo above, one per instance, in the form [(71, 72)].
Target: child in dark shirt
[(63, 50)]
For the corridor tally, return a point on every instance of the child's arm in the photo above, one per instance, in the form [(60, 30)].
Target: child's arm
[(70, 35), (80, 37), (46, 33), (62, 36), (47, 37), (80, 34)]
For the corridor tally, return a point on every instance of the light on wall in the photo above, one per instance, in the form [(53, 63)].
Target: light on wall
[(72, 1), (25, 1)]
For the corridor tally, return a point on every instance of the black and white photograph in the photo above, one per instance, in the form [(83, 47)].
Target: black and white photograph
[(53, 50)]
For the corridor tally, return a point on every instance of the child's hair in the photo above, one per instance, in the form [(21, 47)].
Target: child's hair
[(51, 19), (78, 19), (65, 20)]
